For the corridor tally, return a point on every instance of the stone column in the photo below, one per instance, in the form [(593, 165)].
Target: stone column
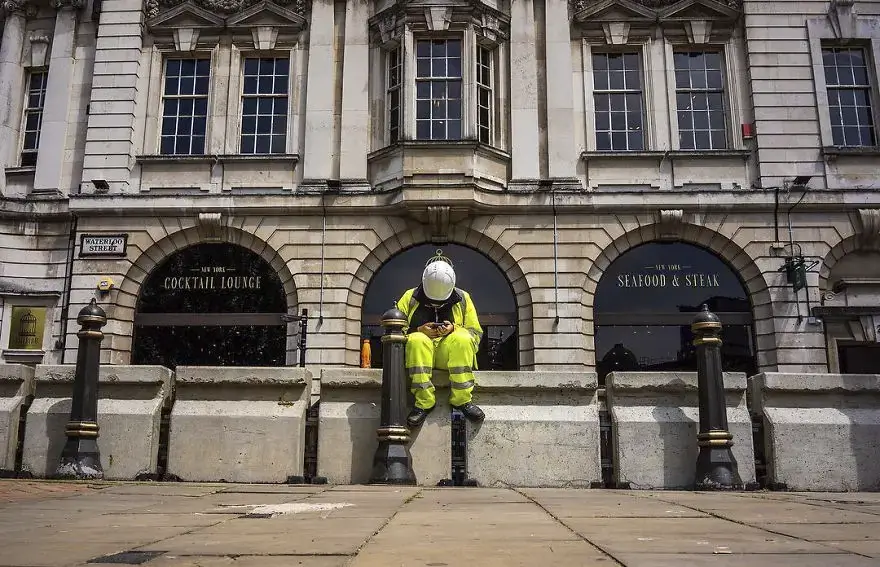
[(11, 78), (355, 136), (562, 154), (320, 99), (524, 143), (53, 133)]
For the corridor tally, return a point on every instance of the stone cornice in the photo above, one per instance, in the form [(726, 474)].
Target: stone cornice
[(465, 198), (155, 7), (577, 5)]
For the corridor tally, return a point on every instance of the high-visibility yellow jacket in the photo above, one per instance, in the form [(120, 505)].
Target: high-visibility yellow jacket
[(464, 314)]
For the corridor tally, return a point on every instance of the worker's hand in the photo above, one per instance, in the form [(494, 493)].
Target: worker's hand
[(430, 330), (447, 328)]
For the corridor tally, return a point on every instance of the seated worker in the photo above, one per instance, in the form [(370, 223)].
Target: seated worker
[(443, 333)]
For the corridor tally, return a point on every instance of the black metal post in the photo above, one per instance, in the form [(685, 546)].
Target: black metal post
[(80, 457), (392, 463), (303, 330), (716, 465)]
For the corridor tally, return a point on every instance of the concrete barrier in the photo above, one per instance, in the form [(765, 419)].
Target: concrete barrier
[(16, 386), (239, 424), (821, 431), (655, 416), (541, 429), (130, 400), (349, 416)]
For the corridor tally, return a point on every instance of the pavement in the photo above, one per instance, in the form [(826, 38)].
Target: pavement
[(55, 524)]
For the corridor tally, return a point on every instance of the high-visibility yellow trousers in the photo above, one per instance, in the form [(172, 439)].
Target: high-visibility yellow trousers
[(456, 353)]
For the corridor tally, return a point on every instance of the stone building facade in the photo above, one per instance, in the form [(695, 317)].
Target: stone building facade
[(615, 164)]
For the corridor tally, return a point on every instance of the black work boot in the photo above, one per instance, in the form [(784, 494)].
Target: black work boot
[(471, 411), (418, 416)]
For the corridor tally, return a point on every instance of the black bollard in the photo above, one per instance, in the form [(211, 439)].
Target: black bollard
[(716, 465), (392, 463), (80, 457)]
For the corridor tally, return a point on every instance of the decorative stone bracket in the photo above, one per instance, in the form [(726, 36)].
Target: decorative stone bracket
[(39, 41), (211, 226), (843, 18)]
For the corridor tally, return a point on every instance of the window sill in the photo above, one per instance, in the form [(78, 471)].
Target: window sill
[(218, 158), (837, 151), (21, 170), (440, 145), (26, 356), (662, 154)]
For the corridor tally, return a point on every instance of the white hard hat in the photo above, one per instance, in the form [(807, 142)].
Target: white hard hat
[(438, 280)]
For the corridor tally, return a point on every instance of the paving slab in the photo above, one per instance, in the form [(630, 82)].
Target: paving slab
[(247, 561), (741, 560), (163, 489), (54, 555), (689, 535), (827, 532), (593, 504), (491, 553), (869, 548)]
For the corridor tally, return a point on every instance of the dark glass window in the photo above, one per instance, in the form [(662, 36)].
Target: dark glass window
[(264, 105), (647, 299), (617, 94), (699, 95), (33, 116), (438, 89), (185, 106), (849, 96), (484, 95), (211, 305), (395, 79), (476, 274)]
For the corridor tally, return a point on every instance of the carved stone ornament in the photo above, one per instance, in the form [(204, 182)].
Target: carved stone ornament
[(869, 228), (427, 16), (154, 7), (438, 220), (578, 5), (61, 4), (39, 41), (843, 18), (670, 223), (211, 226), (17, 6)]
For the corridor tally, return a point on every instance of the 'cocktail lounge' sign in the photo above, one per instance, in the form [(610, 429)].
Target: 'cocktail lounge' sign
[(667, 275), (212, 278)]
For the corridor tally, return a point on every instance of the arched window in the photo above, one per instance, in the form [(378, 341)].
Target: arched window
[(211, 305), (647, 299), (476, 274)]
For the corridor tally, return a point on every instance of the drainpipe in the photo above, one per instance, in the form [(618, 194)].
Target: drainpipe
[(68, 278), (555, 256)]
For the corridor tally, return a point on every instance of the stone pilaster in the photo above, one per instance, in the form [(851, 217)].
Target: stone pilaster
[(562, 155), (524, 142), (319, 150), (355, 136), (53, 132), (11, 79)]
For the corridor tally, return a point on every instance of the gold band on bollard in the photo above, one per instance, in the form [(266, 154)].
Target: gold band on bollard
[(82, 425), (393, 430), (90, 334), (707, 341), (393, 322), (705, 325), (401, 438), (393, 338), (715, 443)]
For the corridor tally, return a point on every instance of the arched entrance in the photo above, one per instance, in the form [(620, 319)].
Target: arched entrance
[(646, 301), (851, 312), (476, 274), (211, 305)]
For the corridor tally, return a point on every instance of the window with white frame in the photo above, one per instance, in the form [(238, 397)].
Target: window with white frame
[(849, 96), (33, 116), (395, 81), (438, 89), (185, 106), (484, 95), (264, 105), (618, 98), (699, 96)]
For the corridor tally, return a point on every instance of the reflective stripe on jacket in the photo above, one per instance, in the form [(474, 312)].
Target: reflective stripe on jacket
[(464, 314)]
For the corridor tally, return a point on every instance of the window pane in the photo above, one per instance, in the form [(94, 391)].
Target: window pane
[(423, 129), (453, 130), (602, 102), (603, 140), (719, 139), (263, 144), (453, 89), (167, 145), (454, 109), (423, 68), (438, 130), (278, 143), (423, 48), (702, 139), (837, 134), (685, 120), (618, 140), (635, 141), (686, 139), (454, 68), (198, 145), (616, 80)]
